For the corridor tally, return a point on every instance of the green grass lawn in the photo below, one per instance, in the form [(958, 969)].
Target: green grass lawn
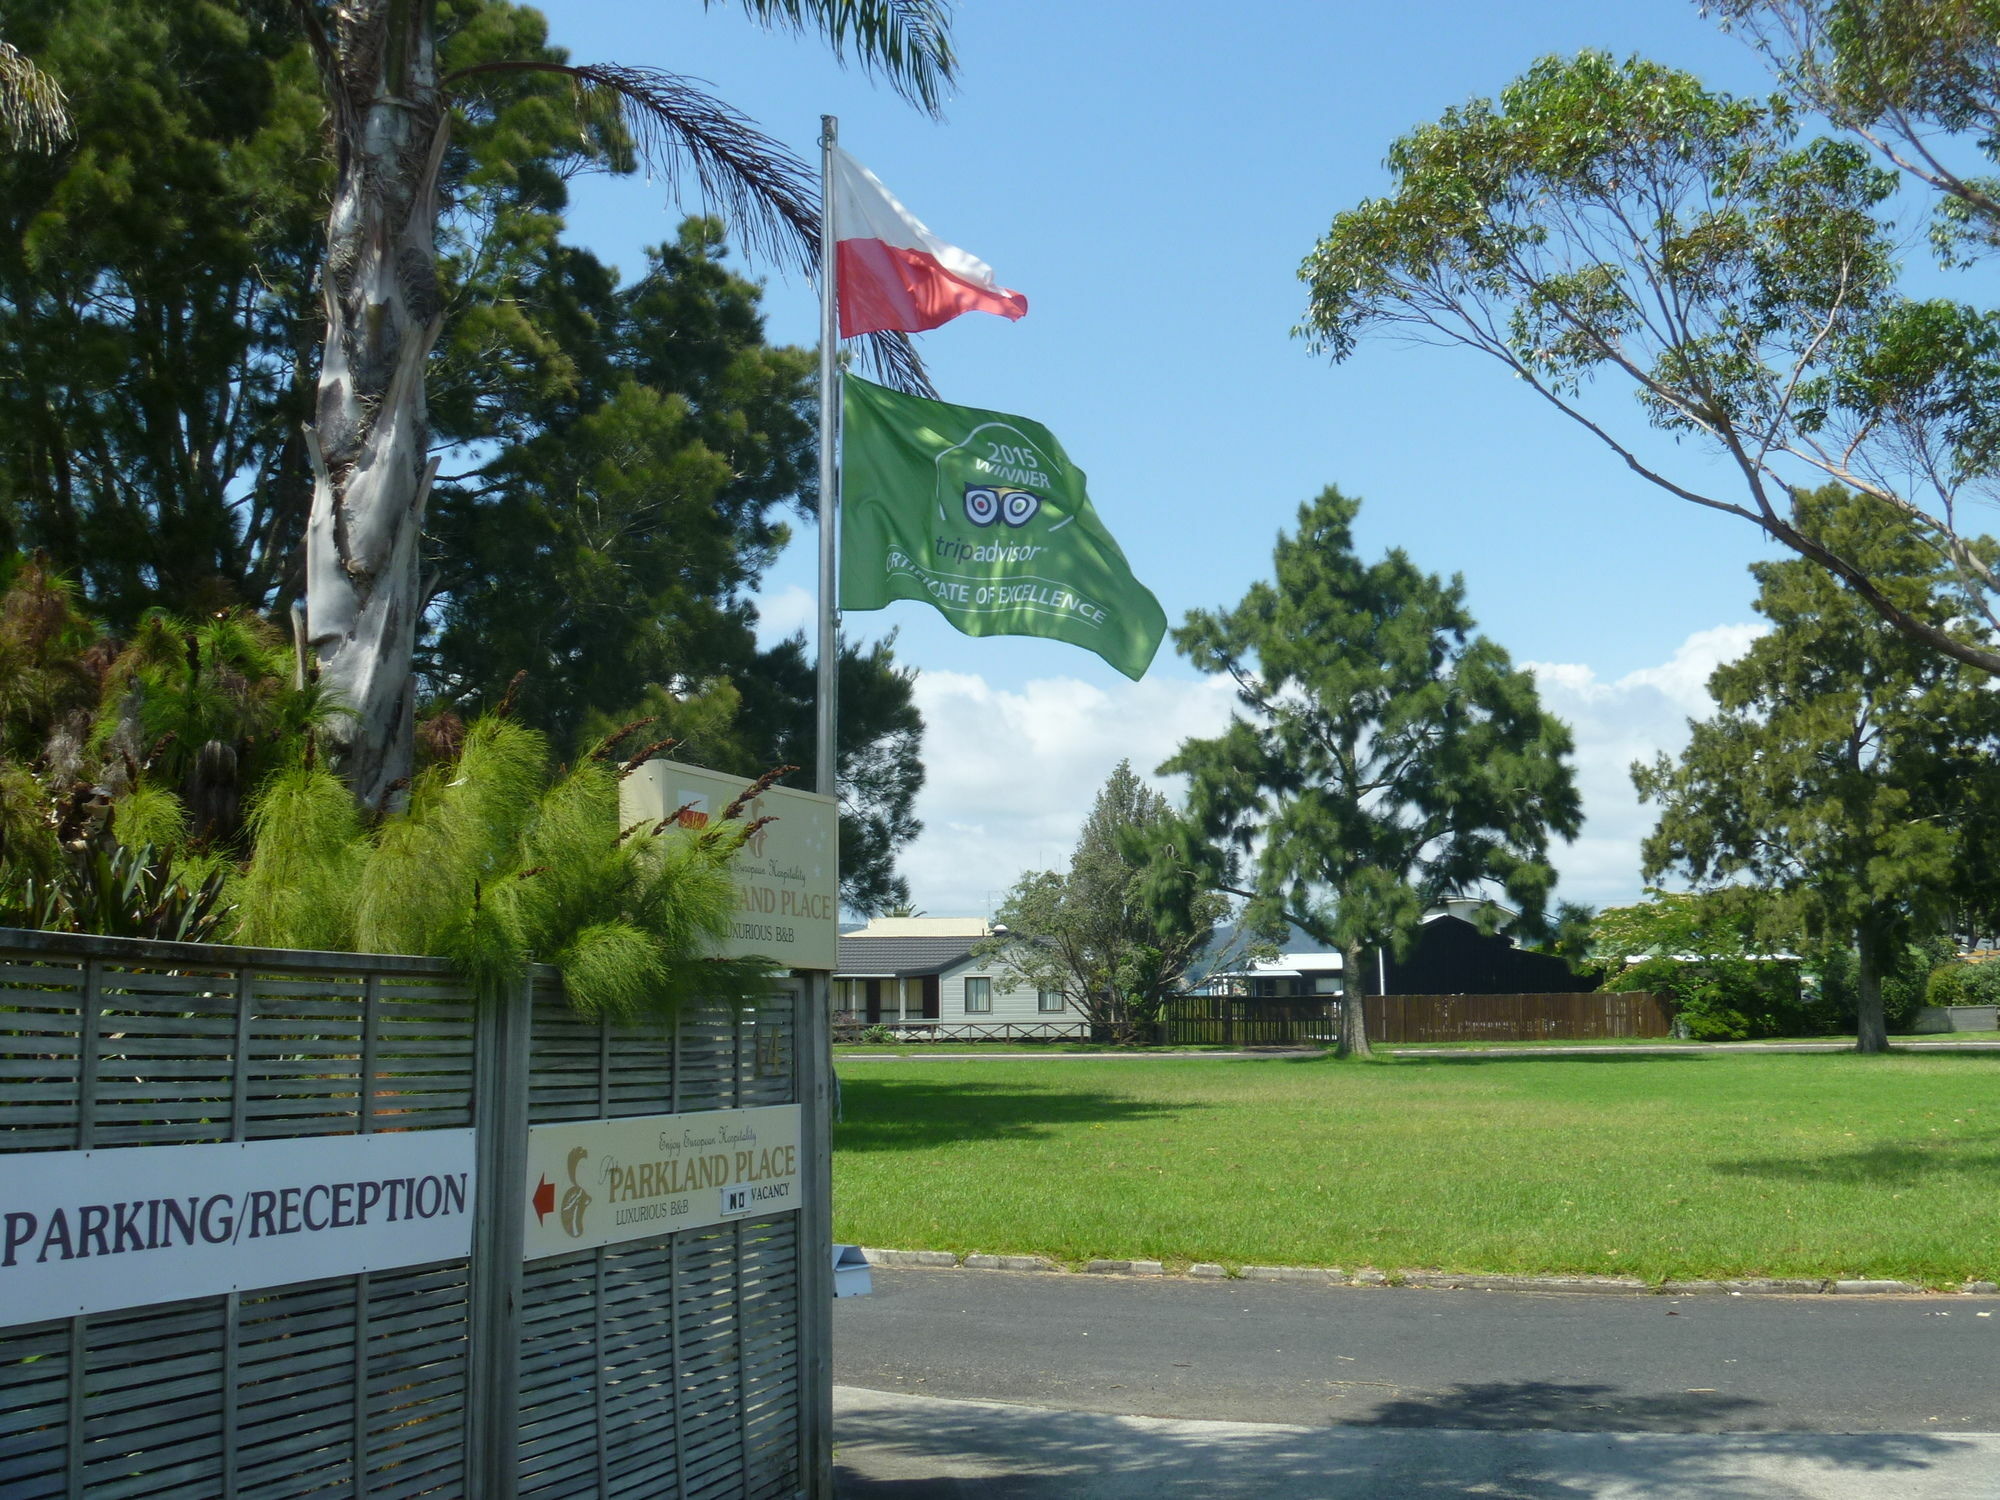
[(1595, 1041), (977, 1049), (1689, 1165)]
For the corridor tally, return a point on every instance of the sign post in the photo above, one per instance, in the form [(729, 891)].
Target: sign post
[(787, 911)]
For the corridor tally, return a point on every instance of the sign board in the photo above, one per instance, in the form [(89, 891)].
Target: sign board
[(599, 1182), (787, 876), (91, 1231)]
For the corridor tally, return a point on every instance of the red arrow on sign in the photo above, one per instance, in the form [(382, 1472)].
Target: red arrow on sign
[(544, 1200)]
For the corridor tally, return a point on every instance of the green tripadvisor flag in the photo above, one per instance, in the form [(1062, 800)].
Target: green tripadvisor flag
[(984, 516)]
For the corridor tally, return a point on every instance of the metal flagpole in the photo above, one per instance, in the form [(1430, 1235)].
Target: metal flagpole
[(825, 766), (814, 1013)]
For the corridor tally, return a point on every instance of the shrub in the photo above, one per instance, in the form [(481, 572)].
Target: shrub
[(877, 1034), (1947, 985), (1982, 984), (1962, 983), (1905, 984), (1727, 999)]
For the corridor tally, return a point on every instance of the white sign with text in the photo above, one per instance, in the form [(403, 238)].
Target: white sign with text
[(598, 1182), (788, 873), (91, 1231)]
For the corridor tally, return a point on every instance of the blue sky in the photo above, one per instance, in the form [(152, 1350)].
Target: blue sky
[(1151, 177)]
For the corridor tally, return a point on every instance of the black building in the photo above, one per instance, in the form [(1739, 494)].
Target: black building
[(1449, 956), (1453, 957)]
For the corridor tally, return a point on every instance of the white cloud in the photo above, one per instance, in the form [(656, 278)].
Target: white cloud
[(785, 613), (1633, 717), (1010, 774)]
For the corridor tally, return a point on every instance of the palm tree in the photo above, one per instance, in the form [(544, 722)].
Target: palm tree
[(34, 115), (391, 117)]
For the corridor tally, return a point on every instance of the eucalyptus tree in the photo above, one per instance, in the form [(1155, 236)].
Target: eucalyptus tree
[(1386, 756), (1619, 222), (392, 110), (1918, 80), (1849, 769)]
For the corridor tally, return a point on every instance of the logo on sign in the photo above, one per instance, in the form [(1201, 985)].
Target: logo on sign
[(987, 503), (576, 1200), (692, 813)]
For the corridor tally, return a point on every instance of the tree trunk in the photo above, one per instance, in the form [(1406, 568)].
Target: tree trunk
[(1353, 1014), (1119, 1016), (1871, 1033), (371, 438)]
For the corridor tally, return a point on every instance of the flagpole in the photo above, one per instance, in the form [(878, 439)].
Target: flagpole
[(825, 769), (815, 1052)]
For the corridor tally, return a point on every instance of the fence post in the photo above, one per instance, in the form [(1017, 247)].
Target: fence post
[(500, 1113), (812, 1001)]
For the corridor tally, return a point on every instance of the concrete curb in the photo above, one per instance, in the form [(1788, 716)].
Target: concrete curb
[(1330, 1276), (1005, 1263)]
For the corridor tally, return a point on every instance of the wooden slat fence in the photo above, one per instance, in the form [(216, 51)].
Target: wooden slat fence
[(1246, 1021), (658, 1368), (1516, 1018), (664, 1367)]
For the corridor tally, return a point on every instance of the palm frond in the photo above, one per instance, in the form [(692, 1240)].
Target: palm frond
[(908, 42), (679, 131), (34, 115)]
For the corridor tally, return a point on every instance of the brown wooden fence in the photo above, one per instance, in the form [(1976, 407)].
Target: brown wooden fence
[(1244, 1021), (1516, 1018)]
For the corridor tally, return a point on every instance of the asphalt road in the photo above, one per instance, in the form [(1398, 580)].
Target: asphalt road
[(989, 1385), (1574, 1362)]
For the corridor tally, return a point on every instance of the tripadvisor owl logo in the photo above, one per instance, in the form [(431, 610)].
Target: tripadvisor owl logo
[(987, 503), (996, 475)]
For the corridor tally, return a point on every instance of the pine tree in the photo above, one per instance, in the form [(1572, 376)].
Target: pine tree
[(1849, 767), (156, 287), (1387, 757), (1100, 934)]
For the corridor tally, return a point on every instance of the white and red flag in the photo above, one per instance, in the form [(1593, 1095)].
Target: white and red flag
[(892, 272)]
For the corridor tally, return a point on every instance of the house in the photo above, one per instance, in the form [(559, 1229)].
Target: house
[(1289, 976), (1450, 956), (920, 974)]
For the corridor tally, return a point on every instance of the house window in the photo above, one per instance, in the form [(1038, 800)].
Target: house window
[(978, 995), (1047, 1001)]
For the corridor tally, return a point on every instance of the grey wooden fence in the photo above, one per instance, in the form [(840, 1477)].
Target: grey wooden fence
[(688, 1366)]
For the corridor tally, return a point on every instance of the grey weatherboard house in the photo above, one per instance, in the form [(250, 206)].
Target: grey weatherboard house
[(920, 974)]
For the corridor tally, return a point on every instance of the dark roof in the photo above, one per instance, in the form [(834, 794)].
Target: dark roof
[(901, 957)]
